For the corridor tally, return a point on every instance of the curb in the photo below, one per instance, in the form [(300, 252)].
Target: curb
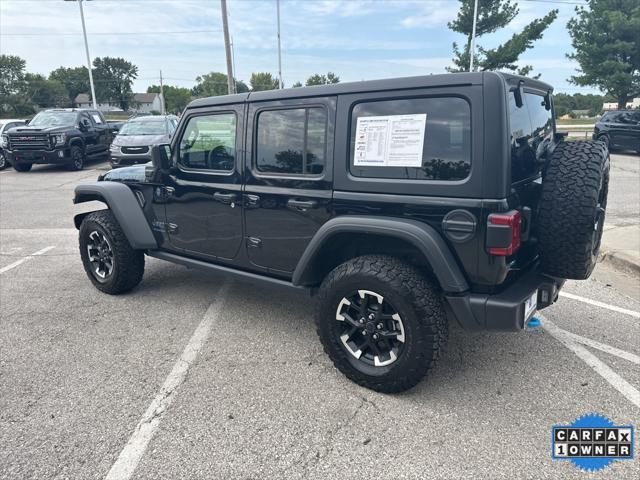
[(622, 261)]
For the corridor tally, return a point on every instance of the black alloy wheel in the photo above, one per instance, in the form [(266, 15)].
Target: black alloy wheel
[(371, 329), (100, 255)]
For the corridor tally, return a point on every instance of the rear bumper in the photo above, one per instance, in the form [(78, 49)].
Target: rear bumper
[(506, 310), (59, 156)]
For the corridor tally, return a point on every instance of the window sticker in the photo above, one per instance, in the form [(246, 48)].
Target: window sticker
[(390, 141), (96, 118)]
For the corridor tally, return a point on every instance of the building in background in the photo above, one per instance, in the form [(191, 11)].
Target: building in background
[(142, 103), (635, 103)]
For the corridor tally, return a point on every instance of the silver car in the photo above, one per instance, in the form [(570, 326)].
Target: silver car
[(136, 137)]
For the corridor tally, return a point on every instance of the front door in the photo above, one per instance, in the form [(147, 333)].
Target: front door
[(288, 176), (203, 193)]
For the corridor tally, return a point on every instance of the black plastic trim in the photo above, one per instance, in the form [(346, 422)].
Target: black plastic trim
[(123, 203), (421, 235)]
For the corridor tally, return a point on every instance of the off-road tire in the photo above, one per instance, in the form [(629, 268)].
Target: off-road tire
[(418, 303), (78, 159), (4, 163), (22, 167), (128, 264), (572, 209)]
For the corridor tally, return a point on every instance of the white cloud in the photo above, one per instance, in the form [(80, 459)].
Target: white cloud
[(431, 14)]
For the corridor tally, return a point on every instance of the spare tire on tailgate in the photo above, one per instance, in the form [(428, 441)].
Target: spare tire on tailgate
[(572, 209)]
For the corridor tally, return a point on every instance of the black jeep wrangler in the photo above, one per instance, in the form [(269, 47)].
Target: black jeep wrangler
[(62, 136), (400, 204)]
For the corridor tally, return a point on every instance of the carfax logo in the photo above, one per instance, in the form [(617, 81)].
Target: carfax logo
[(592, 442)]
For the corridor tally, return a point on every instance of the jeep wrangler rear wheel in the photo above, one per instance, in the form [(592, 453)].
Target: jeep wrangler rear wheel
[(381, 322), (572, 209), (112, 265)]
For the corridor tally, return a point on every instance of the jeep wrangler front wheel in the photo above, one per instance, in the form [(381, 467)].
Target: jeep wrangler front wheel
[(110, 262), (381, 322)]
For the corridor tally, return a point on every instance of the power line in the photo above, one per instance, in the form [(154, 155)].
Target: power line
[(56, 34)]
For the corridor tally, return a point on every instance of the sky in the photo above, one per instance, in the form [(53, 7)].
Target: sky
[(356, 39)]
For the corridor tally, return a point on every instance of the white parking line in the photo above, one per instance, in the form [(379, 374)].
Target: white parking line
[(602, 369), (135, 448), (600, 304), (24, 259), (603, 347)]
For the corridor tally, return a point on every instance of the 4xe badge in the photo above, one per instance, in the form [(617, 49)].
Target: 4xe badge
[(592, 442)]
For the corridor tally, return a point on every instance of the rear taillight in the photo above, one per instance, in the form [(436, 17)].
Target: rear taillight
[(503, 233)]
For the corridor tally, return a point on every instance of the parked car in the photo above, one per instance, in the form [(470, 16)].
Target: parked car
[(394, 202), (619, 129), (5, 125), (136, 137), (68, 137)]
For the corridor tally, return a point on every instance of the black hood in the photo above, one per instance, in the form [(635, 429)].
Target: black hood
[(26, 130), (134, 173)]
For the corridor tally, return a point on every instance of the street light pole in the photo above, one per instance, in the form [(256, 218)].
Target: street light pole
[(279, 53), (473, 36), (227, 48), (86, 47)]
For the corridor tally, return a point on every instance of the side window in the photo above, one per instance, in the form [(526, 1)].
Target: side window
[(209, 142), (416, 138), (84, 117), (292, 142), (531, 132)]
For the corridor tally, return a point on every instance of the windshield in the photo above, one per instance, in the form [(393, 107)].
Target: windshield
[(53, 119), (143, 128)]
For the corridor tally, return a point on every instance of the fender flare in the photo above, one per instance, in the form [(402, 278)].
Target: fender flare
[(125, 207), (76, 141), (424, 237)]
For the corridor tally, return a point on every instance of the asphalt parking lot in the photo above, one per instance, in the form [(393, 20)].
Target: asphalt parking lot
[(92, 384)]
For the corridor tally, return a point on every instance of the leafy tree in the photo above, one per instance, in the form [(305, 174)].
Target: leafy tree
[(263, 81), (492, 16), (113, 79), (606, 37), (296, 85), (45, 93), (214, 84), (12, 84), (75, 80), (175, 98), (564, 103), (321, 79)]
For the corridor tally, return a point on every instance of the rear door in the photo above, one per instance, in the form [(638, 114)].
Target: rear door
[(288, 179), (202, 194)]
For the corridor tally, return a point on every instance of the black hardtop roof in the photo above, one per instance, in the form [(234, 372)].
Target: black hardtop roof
[(405, 83)]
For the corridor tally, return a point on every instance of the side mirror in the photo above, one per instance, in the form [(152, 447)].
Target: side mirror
[(161, 157)]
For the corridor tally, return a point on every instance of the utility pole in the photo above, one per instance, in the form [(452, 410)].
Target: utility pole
[(473, 36), (279, 53), (227, 48), (233, 63), (86, 47), (164, 110)]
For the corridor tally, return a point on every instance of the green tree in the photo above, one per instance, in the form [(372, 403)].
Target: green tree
[(606, 38), (214, 84), (12, 85), (321, 79), (492, 16), (263, 81), (113, 79), (45, 93), (296, 85), (75, 80), (175, 98)]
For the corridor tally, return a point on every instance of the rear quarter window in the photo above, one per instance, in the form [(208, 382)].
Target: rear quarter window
[(531, 131), (411, 139)]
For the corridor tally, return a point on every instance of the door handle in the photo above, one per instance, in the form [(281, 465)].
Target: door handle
[(226, 198), (302, 204)]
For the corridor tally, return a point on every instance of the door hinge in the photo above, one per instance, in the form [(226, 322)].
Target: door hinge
[(163, 193), (164, 227), (254, 242)]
